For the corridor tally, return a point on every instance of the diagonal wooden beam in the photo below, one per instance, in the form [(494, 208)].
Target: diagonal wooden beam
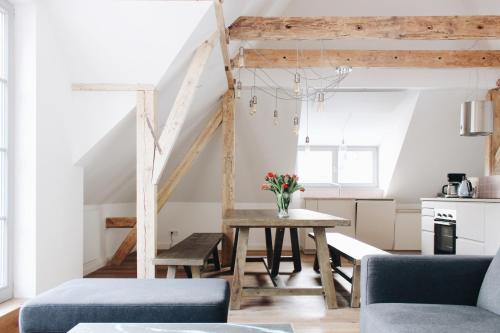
[(362, 27), (224, 42), (198, 145), (287, 58), (181, 106), (125, 247)]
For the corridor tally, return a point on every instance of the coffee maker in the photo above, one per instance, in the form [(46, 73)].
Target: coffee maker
[(450, 190)]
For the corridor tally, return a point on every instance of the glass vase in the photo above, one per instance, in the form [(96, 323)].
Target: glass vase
[(283, 201)]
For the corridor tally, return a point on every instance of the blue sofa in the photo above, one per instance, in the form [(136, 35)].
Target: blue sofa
[(445, 294), (126, 301)]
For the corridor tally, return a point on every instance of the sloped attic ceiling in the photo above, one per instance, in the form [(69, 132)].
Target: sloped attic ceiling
[(213, 86)]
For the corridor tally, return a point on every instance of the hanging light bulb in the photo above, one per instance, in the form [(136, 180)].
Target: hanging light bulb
[(253, 107), (321, 101), (307, 148), (296, 86), (296, 125), (275, 118), (238, 89), (241, 57), (343, 70)]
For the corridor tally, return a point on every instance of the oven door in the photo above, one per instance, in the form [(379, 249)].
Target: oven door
[(445, 237)]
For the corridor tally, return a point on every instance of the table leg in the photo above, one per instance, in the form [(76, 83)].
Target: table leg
[(187, 269), (239, 268), (195, 270), (171, 270), (324, 267), (278, 246), (269, 246), (215, 255), (355, 285), (294, 238), (235, 245)]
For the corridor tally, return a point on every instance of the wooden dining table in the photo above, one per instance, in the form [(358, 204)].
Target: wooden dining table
[(246, 219)]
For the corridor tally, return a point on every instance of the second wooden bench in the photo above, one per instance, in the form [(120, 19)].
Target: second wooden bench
[(353, 250), (192, 253)]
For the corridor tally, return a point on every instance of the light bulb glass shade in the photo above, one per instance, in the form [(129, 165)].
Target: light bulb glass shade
[(275, 117), (296, 125), (476, 118), (296, 84), (342, 70), (253, 108), (321, 102), (241, 57), (239, 87), (254, 99)]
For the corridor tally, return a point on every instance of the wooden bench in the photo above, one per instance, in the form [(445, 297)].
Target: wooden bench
[(192, 253), (353, 250)]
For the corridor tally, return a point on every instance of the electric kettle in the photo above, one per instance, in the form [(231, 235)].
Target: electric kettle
[(465, 188)]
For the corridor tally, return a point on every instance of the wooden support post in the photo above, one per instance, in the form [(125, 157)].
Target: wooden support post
[(181, 105), (228, 130), (492, 164), (201, 141), (224, 42), (146, 189)]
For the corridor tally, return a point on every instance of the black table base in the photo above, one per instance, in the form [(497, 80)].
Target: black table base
[(273, 257)]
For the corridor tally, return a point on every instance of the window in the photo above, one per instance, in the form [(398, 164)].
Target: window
[(5, 15), (351, 166)]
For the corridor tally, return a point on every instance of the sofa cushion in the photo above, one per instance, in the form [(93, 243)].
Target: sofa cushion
[(428, 318), (126, 300), (489, 294)]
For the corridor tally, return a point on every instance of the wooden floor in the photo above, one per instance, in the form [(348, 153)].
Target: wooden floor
[(306, 313)]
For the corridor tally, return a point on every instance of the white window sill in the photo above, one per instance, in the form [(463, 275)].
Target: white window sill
[(10, 305)]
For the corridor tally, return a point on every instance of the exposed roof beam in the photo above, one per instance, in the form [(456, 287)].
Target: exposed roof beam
[(287, 58), (224, 42), (377, 27)]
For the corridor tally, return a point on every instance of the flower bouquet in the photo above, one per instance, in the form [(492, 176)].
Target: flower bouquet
[(282, 186)]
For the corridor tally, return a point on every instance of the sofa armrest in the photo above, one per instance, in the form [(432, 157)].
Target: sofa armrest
[(422, 279)]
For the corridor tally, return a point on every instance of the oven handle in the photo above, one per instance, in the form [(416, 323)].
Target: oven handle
[(444, 223)]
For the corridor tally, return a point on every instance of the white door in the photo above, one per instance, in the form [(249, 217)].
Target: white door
[(375, 222), (5, 42)]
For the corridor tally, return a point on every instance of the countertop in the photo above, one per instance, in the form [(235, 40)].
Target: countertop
[(460, 200), (325, 197)]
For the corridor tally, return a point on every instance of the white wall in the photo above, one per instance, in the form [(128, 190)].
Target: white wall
[(49, 189), (25, 200), (433, 147)]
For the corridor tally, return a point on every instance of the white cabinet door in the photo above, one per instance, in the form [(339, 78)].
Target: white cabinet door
[(470, 221), (427, 242), (469, 247), (407, 231), (491, 228), (428, 223), (341, 208), (375, 222)]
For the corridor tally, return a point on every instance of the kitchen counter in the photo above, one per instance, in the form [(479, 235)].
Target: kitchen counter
[(461, 200), (325, 197)]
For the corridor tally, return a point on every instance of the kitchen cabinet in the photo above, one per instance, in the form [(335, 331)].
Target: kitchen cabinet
[(478, 224), (407, 230), (427, 242), (491, 229), (470, 221), (469, 247), (372, 221), (375, 223)]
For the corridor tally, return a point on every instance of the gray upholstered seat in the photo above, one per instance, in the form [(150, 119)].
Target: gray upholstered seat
[(126, 300), (431, 294), (428, 318)]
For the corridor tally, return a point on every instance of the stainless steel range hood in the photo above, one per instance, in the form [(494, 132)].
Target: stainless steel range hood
[(476, 118)]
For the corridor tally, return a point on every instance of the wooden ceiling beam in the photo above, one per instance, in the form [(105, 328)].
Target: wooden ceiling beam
[(287, 58), (364, 27)]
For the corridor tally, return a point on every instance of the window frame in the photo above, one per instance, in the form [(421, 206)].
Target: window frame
[(6, 292), (335, 168)]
